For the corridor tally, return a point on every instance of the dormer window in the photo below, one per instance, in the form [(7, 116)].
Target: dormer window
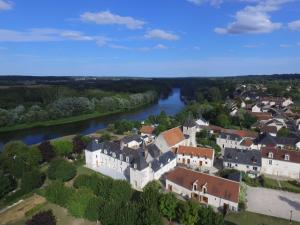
[(135, 166), (127, 159), (271, 155), (287, 157), (121, 157), (105, 151), (204, 189), (195, 187)]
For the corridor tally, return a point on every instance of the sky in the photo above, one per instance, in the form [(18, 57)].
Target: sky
[(157, 38)]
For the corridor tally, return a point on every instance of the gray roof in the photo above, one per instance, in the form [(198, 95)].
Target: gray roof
[(267, 139), (162, 160), (189, 122), (230, 136), (153, 150), (130, 138), (246, 157)]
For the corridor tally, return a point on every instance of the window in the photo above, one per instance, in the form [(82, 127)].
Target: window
[(105, 151), (271, 155), (135, 166), (121, 157), (127, 159), (195, 187), (254, 168), (287, 157), (270, 162), (236, 165), (247, 167), (114, 155)]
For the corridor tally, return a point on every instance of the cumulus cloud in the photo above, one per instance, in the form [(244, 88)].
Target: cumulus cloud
[(295, 25), (161, 34), (6, 5), (254, 19), (108, 18)]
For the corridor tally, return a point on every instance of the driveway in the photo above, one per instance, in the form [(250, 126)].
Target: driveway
[(273, 203)]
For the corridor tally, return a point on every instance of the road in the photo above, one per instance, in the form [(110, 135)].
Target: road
[(273, 203)]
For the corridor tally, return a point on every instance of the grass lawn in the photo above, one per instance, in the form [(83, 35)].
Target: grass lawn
[(62, 216), (249, 218)]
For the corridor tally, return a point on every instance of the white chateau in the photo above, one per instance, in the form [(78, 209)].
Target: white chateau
[(135, 159)]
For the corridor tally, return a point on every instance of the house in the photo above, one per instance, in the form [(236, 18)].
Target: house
[(132, 141), (280, 162), (195, 157), (262, 116), (138, 165), (202, 122), (256, 108), (276, 101), (242, 160), (235, 139), (212, 129), (204, 188), (175, 137), (147, 130), (265, 139)]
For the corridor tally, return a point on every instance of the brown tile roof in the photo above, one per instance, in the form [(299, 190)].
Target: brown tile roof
[(147, 129), (279, 154), (247, 142), (212, 127), (216, 186), (269, 129), (196, 151), (261, 115), (173, 136), (241, 133)]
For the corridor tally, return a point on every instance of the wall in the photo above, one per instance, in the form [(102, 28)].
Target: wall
[(241, 167), (195, 161), (281, 168)]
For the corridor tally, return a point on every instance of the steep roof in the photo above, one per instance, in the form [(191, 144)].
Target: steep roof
[(196, 151), (247, 142), (134, 137), (267, 139), (246, 157), (189, 122), (147, 129), (279, 154), (216, 186), (162, 160), (269, 129), (173, 136), (261, 115)]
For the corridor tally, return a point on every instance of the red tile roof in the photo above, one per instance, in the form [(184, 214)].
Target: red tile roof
[(147, 129), (269, 129), (279, 154), (216, 186), (196, 151), (261, 115), (247, 142), (173, 136)]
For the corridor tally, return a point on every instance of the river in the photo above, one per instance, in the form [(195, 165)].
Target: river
[(171, 105)]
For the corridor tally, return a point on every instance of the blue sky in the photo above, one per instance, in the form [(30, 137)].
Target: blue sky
[(149, 38)]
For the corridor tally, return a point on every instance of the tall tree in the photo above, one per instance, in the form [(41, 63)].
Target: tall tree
[(167, 205), (47, 151), (78, 144)]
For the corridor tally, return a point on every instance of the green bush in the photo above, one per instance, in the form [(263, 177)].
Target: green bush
[(61, 169), (63, 147), (7, 184), (31, 180), (58, 193)]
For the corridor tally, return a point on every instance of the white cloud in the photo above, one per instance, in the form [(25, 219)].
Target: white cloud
[(252, 45), (6, 5), (108, 18), (47, 35), (295, 25), (285, 45), (161, 34), (156, 47), (119, 47), (160, 46), (212, 2), (254, 19)]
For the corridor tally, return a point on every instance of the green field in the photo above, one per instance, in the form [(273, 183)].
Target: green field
[(249, 218)]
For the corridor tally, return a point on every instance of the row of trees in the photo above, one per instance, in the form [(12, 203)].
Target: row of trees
[(113, 202), (73, 106)]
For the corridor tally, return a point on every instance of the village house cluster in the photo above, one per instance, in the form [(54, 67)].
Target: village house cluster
[(188, 169)]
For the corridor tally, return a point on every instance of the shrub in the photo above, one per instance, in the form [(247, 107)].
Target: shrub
[(31, 180), (7, 184), (61, 169), (63, 147), (45, 218), (92, 210), (47, 151), (58, 193)]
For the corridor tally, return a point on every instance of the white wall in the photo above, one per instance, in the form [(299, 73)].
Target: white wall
[(241, 167), (195, 161), (171, 165), (281, 168), (212, 200)]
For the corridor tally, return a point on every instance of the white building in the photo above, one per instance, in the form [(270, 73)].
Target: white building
[(242, 160), (256, 108), (136, 165), (278, 162), (195, 157), (204, 188)]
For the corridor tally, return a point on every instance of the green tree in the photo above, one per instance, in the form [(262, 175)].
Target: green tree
[(58, 193), (223, 120), (31, 180), (61, 169), (92, 211), (7, 184), (120, 191), (62, 148), (188, 212), (47, 151), (44, 217), (167, 205), (78, 203), (283, 132)]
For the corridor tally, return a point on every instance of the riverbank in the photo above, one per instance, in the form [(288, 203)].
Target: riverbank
[(67, 120)]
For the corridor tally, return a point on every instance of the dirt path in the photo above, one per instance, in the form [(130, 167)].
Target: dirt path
[(18, 212)]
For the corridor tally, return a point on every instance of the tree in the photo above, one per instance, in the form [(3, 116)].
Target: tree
[(283, 132), (93, 209), (223, 120), (47, 151), (120, 191), (31, 180), (18, 158), (79, 202), (45, 218), (58, 193), (7, 184), (168, 204), (106, 136), (78, 144), (215, 94), (61, 169), (62, 147), (188, 212)]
